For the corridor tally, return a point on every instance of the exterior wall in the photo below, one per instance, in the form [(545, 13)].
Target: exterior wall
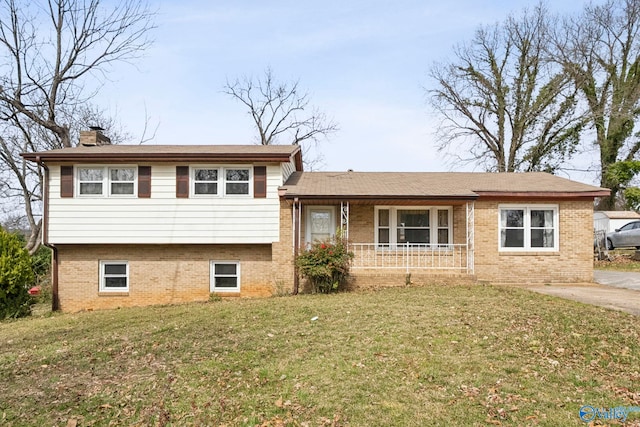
[(158, 274), (282, 268), (572, 263), (163, 218)]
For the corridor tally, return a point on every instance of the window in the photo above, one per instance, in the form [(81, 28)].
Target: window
[(114, 276), (218, 181), (408, 225), (225, 276), (205, 181), (236, 181), (412, 226), (90, 181), (532, 227), (121, 181)]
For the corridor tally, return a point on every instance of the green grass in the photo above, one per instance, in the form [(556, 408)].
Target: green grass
[(440, 355)]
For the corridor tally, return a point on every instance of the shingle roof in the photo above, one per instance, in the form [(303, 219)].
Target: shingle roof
[(167, 153), (463, 185)]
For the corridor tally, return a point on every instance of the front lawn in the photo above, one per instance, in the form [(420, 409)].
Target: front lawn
[(440, 355)]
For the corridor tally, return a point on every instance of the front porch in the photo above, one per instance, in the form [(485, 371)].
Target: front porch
[(410, 257), (403, 237)]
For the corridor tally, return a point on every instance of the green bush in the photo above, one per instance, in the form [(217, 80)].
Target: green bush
[(326, 264), (16, 275)]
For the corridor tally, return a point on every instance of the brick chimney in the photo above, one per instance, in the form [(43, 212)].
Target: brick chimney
[(93, 137)]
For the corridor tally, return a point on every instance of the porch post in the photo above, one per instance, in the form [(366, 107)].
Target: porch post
[(344, 219)]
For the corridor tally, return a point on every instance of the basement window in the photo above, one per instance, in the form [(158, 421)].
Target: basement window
[(114, 276), (225, 276)]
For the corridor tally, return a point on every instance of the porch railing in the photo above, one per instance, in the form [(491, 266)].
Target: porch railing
[(411, 256)]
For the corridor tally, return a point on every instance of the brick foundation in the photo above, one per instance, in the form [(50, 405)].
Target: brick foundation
[(158, 274)]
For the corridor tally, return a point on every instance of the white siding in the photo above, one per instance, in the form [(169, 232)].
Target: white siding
[(163, 218), (287, 170)]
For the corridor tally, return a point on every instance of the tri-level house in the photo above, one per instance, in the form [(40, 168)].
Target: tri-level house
[(140, 224)]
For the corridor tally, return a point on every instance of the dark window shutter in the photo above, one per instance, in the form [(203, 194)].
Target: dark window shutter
[(259, 181), (182, 181), (66, 181), (144, 182)]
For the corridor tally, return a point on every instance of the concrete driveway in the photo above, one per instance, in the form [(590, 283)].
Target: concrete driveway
[(619, 279), (613, 289)]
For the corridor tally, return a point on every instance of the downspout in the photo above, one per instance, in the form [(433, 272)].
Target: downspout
[(55, 301)]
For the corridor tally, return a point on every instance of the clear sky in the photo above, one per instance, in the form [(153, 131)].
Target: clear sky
[(364, 63)]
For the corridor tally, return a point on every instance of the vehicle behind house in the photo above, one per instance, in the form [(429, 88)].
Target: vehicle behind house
[(626, 236)]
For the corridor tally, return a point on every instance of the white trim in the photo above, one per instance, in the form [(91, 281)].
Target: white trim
[(212, 276), (527, 208), (433, 223), (103, 276), (307, 219)]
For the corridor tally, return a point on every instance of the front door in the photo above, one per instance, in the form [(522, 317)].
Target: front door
[(321, 223)]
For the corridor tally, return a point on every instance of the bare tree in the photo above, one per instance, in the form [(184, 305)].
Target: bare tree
[(505, 100), (281, 112), (600, 51), (50, 49)]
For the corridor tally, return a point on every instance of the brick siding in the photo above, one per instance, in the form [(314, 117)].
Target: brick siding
[(572, 263), (158, 274)]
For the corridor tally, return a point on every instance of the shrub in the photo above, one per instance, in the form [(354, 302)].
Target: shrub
[(326, 264), (16, 274)]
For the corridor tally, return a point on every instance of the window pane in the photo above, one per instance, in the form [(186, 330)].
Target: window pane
[(413, 218), (227, 269), (541, 238), (320, 222), (206, 175), (226, 282), (90, 174), (512, 238), (90, 188), (115, 269), (540, 218), (383, 217), (383, 235), (237, 188), (121, 188), (412, 235), (237, 174), (122, 174), (115, 282), (205, 188), (512, 218), (443, 236), (443, 218)]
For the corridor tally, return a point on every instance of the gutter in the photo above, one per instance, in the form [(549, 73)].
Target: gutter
[(55, 301)]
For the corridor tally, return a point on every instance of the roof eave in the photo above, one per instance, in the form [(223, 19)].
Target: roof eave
[(369, 197), (543, 194), (71, 157)]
